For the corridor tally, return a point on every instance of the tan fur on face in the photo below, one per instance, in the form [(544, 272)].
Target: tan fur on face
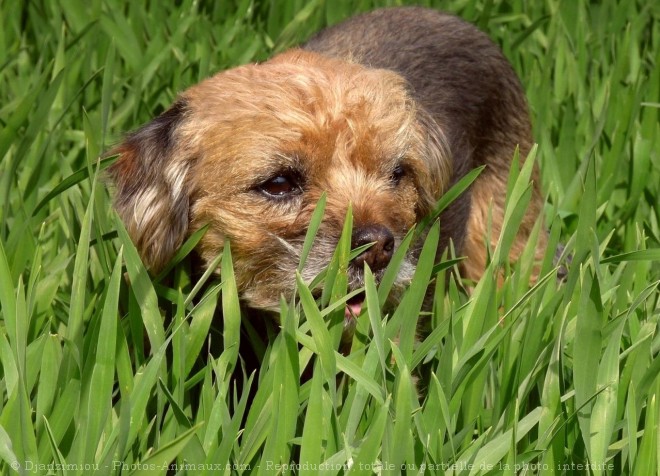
[(342, 126)]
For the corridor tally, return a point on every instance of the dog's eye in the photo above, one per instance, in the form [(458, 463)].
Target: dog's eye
[(281, 186), (397, 174)]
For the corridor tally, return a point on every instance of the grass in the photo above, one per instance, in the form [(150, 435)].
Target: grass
[(560, 378)]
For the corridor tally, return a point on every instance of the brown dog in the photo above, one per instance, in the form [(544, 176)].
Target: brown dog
[(384, 112)]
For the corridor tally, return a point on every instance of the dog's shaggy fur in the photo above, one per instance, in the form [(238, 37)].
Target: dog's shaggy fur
[(384, 112)]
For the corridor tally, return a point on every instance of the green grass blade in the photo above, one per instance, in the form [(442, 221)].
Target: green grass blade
[(588, 341), (158, 462), (311, 449), (232, 431), (8, 300), (139, 399), (99, 400), (314, 224), (652, 254), (143, 288), (320, 334), (647, 456), (449, 196), (184, 250), (371, 446), (400, 450), (73, 179), (375, 318), (604, 412), (231, 311), (80, 270), (404, 320), (360, 376), (6, 452), (388, 279)]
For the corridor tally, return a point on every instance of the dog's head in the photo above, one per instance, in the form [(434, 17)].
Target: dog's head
[(250, 152)]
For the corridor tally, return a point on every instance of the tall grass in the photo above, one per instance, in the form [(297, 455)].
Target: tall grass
[(102, 376)]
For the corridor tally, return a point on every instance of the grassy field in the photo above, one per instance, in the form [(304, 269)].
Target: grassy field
[(102, 377)]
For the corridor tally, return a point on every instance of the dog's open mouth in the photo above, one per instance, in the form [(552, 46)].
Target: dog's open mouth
[(353, 307)]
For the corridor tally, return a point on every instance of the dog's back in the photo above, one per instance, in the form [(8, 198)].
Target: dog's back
[(462, 79)]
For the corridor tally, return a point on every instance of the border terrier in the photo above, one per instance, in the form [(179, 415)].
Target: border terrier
[(384, 112)]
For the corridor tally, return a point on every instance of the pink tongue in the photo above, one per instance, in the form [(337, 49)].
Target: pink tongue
[(352, 310)]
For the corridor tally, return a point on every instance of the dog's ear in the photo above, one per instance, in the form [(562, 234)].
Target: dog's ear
[(152, 182)]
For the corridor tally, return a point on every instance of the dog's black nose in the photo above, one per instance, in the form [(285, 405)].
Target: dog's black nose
[(380, 253)]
